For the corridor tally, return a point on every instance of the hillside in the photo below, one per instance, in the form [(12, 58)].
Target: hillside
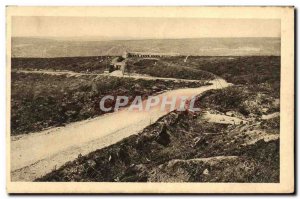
[(234, 138), (62, 47)]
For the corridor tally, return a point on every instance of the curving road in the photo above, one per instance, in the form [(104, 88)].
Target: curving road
[(36, 154)]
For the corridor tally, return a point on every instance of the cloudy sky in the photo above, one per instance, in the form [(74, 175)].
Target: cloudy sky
[(140, 28)]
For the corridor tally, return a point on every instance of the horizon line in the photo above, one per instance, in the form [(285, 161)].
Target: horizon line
[(103, 38)]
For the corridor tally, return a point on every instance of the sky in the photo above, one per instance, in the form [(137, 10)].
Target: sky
[(141, 28)]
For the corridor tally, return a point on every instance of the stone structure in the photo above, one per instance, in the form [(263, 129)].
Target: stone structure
[(149, 54), (119, 63)]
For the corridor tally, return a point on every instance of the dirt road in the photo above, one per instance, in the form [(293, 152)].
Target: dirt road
[(34, 155), (116, 73)]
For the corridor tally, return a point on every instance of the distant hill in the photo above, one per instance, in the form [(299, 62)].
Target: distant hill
[(62, 47)]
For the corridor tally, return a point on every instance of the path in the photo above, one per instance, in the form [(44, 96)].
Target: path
[(116, 73), (36, 154)]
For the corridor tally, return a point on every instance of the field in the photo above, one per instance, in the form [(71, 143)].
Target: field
[(241, 146)]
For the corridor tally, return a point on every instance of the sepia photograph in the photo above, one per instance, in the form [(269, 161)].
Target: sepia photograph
[(150, 99)]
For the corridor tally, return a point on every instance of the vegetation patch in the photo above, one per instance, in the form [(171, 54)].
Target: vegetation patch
[(77, 64), (163, 68)]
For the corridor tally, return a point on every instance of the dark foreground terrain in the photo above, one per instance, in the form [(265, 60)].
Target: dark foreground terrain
[(183, 148), (234, 138)]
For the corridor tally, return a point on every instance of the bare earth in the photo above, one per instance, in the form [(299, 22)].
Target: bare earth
[(36, 154)]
